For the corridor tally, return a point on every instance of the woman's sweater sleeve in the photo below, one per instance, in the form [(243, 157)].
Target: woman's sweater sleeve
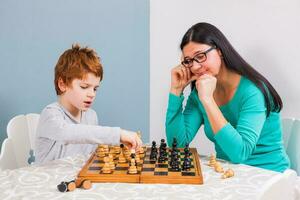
[(239, 142), (182, 126)]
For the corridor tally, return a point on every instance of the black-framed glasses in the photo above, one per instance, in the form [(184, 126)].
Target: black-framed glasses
[(199, 58)]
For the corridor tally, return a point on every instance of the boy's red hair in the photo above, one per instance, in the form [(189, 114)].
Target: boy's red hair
[(76, 63)]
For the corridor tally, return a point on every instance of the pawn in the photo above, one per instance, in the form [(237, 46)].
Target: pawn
[(218, 168), (174, 143), (186, 166), (228, 173), (117, 149), (212, 160), (141, 150), (132, 169), (126, 154), (100, 152), (153, 155), (86, 184), (122, 158), (66, 186), (153, 144), (111, 161), (106, 167), (71, 185), (105, 148), (62, 187), (137, 159)]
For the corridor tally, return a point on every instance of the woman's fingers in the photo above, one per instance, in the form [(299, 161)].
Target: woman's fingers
[(185, 75)]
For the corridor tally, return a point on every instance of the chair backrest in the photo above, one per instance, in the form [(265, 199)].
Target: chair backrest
[(32, 122), (17, 131), (293, 149), (287, 124), (7, 157), (281, 186)]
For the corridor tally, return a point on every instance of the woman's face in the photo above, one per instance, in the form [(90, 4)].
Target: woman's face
[(210, 61)]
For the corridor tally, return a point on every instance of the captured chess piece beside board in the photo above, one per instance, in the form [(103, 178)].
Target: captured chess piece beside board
[(148, 165), (218, 168)]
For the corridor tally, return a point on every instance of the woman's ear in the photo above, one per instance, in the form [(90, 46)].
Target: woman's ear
[(61, 85), (220, 53)]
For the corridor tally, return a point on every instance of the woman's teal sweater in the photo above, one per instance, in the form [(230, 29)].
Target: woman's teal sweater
[(249, 137)]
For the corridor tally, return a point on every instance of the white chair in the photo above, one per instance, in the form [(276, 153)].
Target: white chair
[(18, 149), (32, 122), (7, 157), (17, 131), (293, 148), (281, 186)]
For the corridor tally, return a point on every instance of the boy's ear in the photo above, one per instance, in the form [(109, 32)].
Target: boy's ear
[(61, 85)]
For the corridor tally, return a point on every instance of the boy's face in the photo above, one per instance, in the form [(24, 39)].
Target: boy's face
[(82, 92)]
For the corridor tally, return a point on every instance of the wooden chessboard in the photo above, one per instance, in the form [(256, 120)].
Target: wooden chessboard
[(148, 171)]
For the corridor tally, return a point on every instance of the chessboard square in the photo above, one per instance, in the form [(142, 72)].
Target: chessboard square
[(174, 170), (149, 161), (188, 173), (173, 173), (120, 171), (148, 169), (161, 165), (98, 161), (95, 168), (139, 168), (161, 169), (161, 173), (121, 168), (148, 166), (122, 165)]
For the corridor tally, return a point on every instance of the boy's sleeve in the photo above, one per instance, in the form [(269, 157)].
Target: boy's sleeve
[(182, 126), (53, 126), (238, 143)]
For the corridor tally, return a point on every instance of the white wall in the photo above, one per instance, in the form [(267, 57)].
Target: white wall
[(266, 33)]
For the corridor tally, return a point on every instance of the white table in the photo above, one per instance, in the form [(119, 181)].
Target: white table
[(40, 182)]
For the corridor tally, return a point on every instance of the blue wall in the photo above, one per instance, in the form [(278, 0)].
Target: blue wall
[(34, 33)]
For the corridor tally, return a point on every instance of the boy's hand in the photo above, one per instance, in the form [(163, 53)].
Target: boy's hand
[(130, 139)]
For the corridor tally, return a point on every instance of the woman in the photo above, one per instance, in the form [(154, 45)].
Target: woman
[(239, 108)]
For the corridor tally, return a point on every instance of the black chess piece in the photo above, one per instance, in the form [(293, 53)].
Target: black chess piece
[(186, 165), (187, 151), (161, 158), (162, 154), (174, 153), (174, 144), (153, 144), (153, 147), (66, 186), (153, 155), (186, 148), (62, 187), (175, 164)]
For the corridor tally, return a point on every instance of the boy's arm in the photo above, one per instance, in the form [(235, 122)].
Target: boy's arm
[(52, 125)]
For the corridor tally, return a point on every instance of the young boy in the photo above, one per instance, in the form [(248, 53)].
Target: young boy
[(69, 126)]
